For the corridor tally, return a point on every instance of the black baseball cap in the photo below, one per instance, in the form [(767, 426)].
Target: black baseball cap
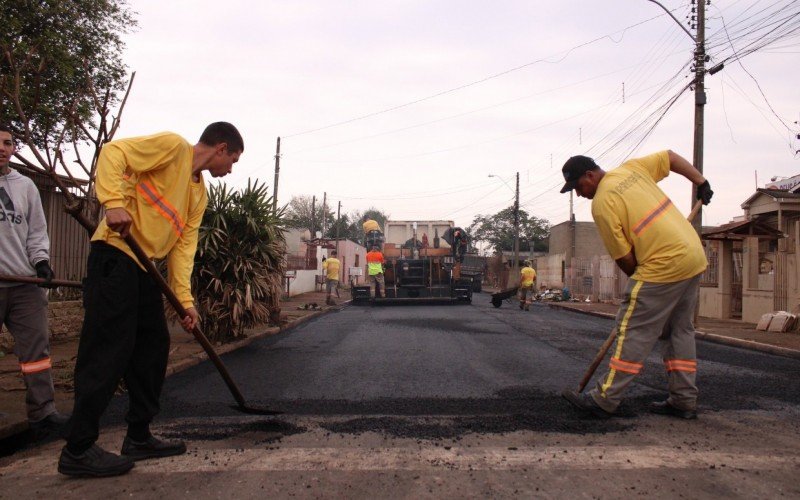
[(574, 168)]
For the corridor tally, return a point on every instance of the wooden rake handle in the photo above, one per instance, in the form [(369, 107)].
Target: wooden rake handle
[(176, 304)]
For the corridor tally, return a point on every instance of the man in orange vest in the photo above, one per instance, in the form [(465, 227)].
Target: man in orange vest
[(375, 262)]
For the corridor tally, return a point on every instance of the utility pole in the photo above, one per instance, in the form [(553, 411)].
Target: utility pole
[(277, 172), (313, 216), (699, 103), (324, 215), (699, 91), (571, 230), (338, 220), (516, 233)]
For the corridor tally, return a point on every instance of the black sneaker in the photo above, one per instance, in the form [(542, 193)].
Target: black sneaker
[(94, 462), (55, 423), (664, 408), (152, 447), (586, 403)]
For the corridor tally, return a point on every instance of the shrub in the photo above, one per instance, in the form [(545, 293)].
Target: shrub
[(240, 263)]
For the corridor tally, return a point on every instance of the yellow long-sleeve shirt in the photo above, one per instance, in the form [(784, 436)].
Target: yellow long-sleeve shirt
[(151, 178)]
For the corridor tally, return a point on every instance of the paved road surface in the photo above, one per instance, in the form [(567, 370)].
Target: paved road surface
[(451, 401)]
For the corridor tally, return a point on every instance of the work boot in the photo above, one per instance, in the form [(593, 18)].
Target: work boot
[(585, 403), (94, 462), (152, 447), (664, 408), (55, 423)]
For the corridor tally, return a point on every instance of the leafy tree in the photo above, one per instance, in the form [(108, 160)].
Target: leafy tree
[(299, 210), (371, 213), (61, 74), (55, 57), (347, 229), (358, 218), (498, 231), (239, 262)]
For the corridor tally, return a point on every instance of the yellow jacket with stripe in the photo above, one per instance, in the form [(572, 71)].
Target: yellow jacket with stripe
[(151, 178), (632, 212)]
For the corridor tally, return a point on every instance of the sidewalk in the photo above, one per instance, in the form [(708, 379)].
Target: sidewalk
[(723, 331), (185, 352)]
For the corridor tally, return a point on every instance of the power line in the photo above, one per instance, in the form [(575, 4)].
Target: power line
[(476, 82)]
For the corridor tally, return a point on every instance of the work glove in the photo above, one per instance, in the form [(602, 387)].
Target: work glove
[(704, 192), (45, 272)]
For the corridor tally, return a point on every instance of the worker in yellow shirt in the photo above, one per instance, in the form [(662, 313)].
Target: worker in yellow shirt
[(152, 188), (331, 268), (373, 236), (527, 276), (654, 244)]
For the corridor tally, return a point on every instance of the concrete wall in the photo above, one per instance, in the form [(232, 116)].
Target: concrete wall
[(710, 302), (351, 254), (63, 318), (548, 271), (304, 282), (755, 303), (587, 239)]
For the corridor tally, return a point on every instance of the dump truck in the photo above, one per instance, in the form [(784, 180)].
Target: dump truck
[(421, 266)]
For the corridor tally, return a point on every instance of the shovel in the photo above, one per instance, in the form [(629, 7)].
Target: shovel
[(241, 405), (610, 340)]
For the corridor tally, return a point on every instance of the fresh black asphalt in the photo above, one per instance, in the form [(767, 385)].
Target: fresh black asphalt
[(470, 368)]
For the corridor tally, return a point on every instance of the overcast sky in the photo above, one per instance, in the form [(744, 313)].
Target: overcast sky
[(408, 106)]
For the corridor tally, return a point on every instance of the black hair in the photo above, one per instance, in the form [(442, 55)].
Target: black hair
[(219, 132), (6, 128)]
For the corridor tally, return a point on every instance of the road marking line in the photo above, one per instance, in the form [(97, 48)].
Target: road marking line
[(456, 458)]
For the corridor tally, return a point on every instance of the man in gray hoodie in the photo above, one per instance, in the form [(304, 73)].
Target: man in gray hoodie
[(25, 251)]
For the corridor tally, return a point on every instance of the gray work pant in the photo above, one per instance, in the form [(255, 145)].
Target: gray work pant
[(23, 310), (646, 312)]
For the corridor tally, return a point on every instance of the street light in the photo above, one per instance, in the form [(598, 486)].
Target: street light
[(515, 267)]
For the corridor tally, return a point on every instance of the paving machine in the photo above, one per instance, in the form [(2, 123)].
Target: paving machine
[(416, 272)]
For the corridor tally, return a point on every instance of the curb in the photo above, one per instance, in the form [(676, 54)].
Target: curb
[(201, 356), (748, 344), (709, 337)]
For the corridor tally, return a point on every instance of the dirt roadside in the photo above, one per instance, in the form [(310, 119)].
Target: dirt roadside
[(185, 352)]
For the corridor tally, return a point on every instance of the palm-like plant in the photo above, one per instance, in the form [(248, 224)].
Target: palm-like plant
[(240, 262)]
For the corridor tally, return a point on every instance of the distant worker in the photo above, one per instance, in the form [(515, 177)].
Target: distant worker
[(458, 239), (373, 236), (331, 267), (375, 262), (527, 276), (23, 306), (658, 248), (460, 244)]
